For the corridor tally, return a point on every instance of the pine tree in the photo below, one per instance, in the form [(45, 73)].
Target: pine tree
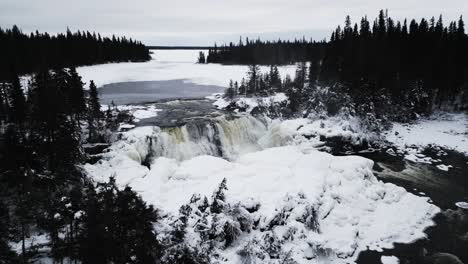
[(253, 79), (219, 197), (8, 256), (313, 73), (243, 88), (275, 78), (57, 135), (77, 98), (301, 76), (231, 91), (94, 113), (117, 227), (18, 102), (201, 57), (4, 108)]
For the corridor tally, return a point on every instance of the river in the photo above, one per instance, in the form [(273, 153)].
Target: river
[(183, 107)]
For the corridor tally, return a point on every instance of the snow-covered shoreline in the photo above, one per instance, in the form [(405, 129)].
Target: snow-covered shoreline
[(448, 130)]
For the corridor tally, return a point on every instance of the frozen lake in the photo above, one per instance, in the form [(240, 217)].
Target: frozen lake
[(168, 65), (152, 91)]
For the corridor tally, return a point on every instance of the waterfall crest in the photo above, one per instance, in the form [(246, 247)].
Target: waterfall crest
[(221, 137)]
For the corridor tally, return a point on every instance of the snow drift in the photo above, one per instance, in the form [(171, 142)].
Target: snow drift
[(278, 189)]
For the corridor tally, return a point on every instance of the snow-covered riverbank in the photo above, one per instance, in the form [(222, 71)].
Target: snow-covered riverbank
[(448, 130), (273, 168), (318, 207)]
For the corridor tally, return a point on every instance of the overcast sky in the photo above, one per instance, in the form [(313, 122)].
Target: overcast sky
[(202, 22)]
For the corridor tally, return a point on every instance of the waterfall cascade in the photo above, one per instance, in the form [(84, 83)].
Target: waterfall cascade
[(221, 137)]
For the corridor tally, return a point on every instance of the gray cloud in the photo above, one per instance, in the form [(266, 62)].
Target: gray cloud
[(202, 22)]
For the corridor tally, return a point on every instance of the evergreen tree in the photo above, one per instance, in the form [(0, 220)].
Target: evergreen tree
[(28, 53), (313, 73), (201, 57), (56, 134), (6, 254), (94, 113), (17, 101), (301, 76), (243, 88), (117, 227), (219, 197), (231, 91), (275, 78), (253, 79), (76, 93)]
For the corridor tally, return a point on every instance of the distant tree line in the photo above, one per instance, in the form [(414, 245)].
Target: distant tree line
[(392, 70), (266, 52), (26, 53), (397, 58)]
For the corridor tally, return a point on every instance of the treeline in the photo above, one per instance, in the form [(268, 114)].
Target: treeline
[(257, 83), (266, 52), (392, 57), (42, 188), (298, 89), (27, 53), (390, 71)]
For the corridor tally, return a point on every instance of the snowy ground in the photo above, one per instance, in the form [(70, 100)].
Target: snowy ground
[(248, 103), (448, 130), (170, 65), (355, 211), (440, 131)]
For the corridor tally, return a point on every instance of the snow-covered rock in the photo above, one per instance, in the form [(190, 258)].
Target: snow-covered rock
[(389, 260), (249, 103), (354, 210)]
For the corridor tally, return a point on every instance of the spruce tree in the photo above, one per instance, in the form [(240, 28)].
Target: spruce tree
[(219, 197), (17, 101), (77, 98), (231, 91), (201, 57), (94, 113), (253, 79)]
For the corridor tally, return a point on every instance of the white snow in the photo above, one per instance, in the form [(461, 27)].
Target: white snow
[(356, 211), (124, 126), (444, 167), (170, 65), (249, 103), (149, 112), (137, 111), (463, 205), (448, 130), (345, 127), (389, 260), (40, 241)]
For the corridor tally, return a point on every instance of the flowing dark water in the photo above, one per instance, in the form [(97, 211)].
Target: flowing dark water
[(445, 188), (152, 91), (180, 112)]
